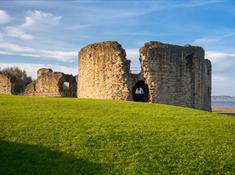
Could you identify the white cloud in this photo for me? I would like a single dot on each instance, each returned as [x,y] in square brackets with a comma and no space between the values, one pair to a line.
[4,17]
[78,27]
[205,40]
[39,20]
[34,21]
[219,55]
[168,5]
[31,69]
[221,59]
[218,77]
[17,33]
[223,84]
[132,53]
[223,72]
[212,40]
[190,4]
[13,49]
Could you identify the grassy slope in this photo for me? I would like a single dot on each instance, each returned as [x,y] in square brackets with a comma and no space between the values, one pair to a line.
[74,136]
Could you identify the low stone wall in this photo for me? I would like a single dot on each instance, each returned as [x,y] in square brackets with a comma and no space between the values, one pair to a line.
[51,83]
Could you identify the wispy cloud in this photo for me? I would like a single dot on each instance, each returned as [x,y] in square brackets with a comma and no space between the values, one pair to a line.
[34,21]
[218,57]
[132,54]
[168,5]
[4,17]
[213,39]
[77,27]
[39,20]
[14,49]
[16,33]
[147,34]
[190,4]
[223,72]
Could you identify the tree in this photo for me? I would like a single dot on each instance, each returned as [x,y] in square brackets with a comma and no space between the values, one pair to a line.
[18,77]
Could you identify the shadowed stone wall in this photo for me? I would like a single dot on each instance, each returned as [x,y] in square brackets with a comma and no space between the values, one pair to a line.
[177,75]
[5,85]
[173,74]
[51,83]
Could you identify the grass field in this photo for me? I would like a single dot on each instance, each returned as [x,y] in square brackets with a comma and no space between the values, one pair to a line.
[77,136]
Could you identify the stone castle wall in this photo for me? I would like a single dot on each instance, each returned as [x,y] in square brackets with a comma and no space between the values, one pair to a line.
[103,72]
[49,83]
[173,74]
[176,75]
[5,85]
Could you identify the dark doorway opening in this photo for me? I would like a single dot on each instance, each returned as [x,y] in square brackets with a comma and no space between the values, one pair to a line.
[140,92]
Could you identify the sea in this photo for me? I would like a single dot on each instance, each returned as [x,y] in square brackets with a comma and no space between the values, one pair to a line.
[223,103]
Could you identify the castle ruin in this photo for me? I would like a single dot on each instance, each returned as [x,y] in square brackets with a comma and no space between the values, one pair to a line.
[49,83]
[169,74]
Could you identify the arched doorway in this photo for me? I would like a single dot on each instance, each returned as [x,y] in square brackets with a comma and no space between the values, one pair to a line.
[140,91]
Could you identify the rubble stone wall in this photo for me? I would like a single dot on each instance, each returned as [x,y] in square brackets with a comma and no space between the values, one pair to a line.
[5,85]
[177,75]
[103,72]
[49,83]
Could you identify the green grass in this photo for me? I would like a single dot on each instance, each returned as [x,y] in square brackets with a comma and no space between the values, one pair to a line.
[78,136]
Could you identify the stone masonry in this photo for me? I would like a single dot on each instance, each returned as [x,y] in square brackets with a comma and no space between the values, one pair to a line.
[177,75]
[5,85]
[170,74]
[49,83]
[103,72]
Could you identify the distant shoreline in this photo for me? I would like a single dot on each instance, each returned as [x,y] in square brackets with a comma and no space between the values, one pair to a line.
[222,99]
[228,110]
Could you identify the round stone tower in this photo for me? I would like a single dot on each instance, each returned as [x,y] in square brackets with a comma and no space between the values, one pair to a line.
[103,72]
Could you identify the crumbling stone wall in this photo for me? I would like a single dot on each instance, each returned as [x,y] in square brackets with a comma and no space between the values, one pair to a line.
[103,72]
[173,74]
[49,83]
[177,75]
[5,85]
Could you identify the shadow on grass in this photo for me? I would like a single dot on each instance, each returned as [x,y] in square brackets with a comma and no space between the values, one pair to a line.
[16,158]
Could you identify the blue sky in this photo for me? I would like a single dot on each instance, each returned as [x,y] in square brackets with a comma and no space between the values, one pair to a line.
[40,33]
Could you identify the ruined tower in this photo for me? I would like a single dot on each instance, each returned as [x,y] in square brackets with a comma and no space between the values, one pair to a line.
[177,75]
[103,72]
[170,74]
